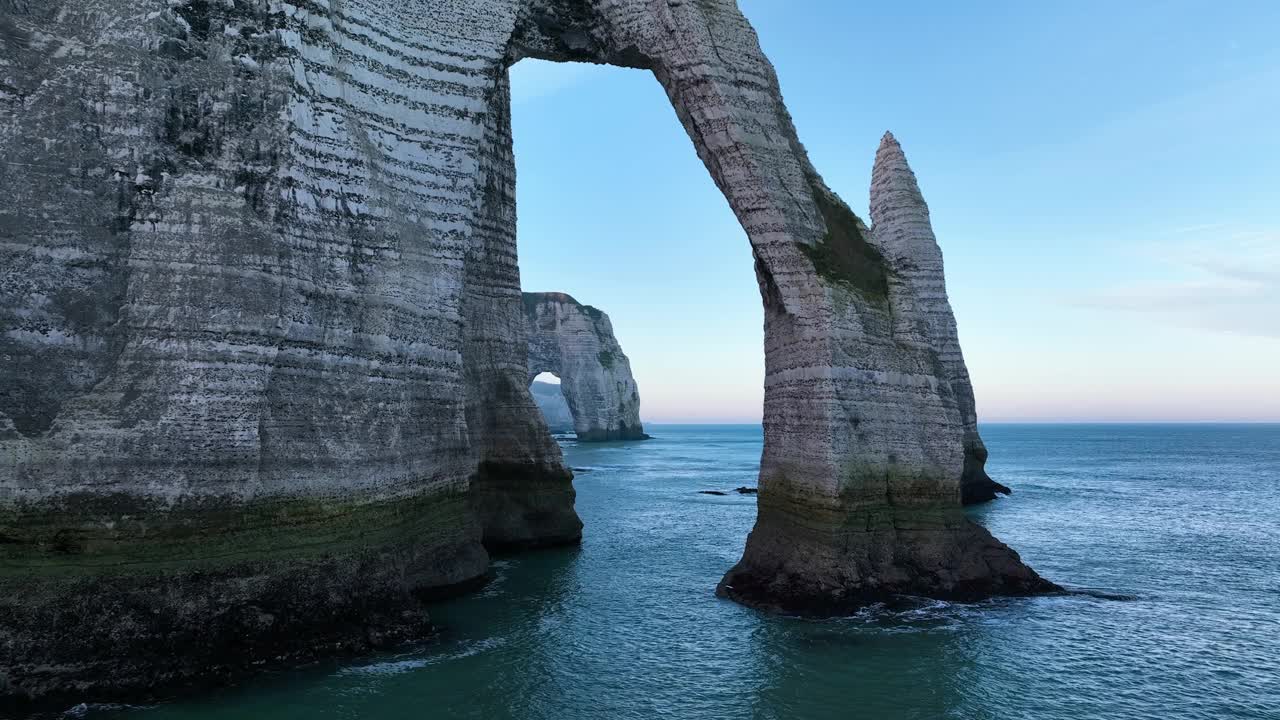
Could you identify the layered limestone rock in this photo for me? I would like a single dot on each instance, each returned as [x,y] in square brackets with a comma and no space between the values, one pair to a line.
[263,377]
[904,233]
[262,362]
[576,343]
[887,519]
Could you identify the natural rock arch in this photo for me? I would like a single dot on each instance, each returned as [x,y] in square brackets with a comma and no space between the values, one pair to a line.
[551,403]
[264,375]
[577,344]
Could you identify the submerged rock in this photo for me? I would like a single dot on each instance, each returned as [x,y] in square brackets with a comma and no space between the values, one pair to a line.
[576,343]
[712,492]
[746,491]
[265,376]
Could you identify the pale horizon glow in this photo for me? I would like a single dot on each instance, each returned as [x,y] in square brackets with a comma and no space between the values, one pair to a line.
[1105,195]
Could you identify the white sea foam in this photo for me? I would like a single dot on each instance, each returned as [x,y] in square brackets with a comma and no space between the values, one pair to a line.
[88,709]
[417,661]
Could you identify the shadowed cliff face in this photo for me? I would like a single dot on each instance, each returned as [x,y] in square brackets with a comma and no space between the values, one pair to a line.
[264,350]
[576,342]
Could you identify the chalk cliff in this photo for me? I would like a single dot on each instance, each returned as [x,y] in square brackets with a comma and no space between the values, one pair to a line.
[263,379]
[903,232]
[906,452]
[576,343]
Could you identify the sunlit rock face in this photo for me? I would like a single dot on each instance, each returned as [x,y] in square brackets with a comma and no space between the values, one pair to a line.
[577,344]
[907,452]
[904,233]
[263,378]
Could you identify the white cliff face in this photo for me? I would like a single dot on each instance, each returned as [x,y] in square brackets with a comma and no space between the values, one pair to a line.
[576,342]
[901,435]
[263,367]
[922,316]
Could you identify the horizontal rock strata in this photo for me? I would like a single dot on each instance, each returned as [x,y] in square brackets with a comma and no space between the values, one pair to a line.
[263,363]
[576,343]
[264,376]
[904,233]
[885,520]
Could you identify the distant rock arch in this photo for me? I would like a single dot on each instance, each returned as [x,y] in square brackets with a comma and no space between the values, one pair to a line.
[577,344]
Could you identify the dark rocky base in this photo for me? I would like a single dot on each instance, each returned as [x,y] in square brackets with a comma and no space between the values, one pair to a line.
[807,569]
[623,435]
[976,486]
[123,602]
[768,595]
[525,506]
[135,610]
[135,639]
[982,490]
[52,696]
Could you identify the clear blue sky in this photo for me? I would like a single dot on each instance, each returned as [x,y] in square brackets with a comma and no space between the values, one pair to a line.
[1104,179]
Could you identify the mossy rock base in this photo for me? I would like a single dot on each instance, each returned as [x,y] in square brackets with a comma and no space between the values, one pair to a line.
[96,606]
[875,555]
[124,638]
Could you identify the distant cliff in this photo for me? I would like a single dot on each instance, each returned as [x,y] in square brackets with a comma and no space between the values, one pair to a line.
[576,343]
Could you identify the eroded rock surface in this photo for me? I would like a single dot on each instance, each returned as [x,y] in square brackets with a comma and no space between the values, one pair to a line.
[263,376]
[261,339]
[903,231]
[886,521]
[576,343]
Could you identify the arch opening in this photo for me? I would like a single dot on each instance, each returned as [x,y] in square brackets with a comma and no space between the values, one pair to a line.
[549,397]
[667,260]
[867,428]
[337,337]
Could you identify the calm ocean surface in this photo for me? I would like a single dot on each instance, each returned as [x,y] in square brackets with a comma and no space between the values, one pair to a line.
[1174,531]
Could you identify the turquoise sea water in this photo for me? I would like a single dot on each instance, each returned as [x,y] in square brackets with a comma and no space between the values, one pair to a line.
[1170,530]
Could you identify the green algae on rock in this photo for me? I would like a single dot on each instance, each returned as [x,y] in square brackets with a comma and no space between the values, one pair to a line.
[265,373]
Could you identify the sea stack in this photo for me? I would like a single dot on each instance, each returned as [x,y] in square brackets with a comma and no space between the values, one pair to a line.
[884,518]
[575,342]
[904,234]
[264,377]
